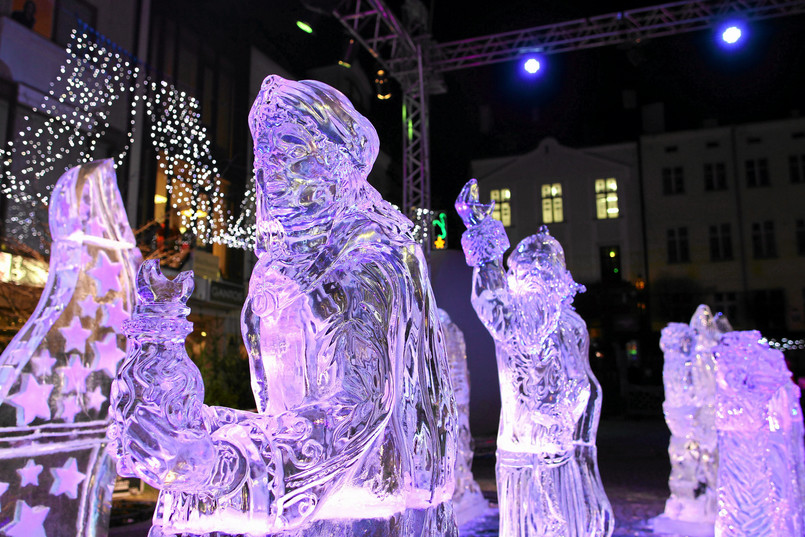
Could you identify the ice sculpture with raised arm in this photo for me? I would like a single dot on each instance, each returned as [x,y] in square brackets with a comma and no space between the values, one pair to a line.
[468,502]
[56,477]
[689,377]
[547,470]
[761,470]
[354,432]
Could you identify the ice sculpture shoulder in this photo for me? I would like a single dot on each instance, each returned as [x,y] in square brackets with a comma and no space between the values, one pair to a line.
[355,428]
[547,472]
[55,375]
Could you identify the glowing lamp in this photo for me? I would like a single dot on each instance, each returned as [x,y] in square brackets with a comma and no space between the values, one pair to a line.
[531,66]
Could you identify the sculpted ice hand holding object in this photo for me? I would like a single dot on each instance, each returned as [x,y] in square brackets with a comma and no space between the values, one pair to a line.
[547,472]
[354,432]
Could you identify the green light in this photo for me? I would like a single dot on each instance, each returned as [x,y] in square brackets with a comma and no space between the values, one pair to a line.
[305,27]
[616,271]
[442,225]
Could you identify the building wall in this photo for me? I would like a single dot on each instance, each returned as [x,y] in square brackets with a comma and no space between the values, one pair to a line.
[581,233]
[764,291]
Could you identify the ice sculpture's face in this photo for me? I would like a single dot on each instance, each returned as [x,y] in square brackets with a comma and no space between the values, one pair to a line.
[310,146]
[294,177]
[537,270]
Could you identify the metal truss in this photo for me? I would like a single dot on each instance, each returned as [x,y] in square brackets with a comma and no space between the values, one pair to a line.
[418,62]
[604,30]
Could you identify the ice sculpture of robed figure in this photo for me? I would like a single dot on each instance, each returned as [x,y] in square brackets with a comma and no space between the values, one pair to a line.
[56,477]
[689,378]
[355,428]
[547,470]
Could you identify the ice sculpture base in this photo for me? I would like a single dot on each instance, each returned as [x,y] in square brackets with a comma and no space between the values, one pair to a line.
[471,506]
[437,520]
[665,524]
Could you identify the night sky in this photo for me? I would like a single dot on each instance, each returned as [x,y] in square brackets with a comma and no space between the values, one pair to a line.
[583,98]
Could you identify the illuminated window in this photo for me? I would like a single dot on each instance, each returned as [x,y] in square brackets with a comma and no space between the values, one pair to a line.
[606,198]
[552,209]
[503,210]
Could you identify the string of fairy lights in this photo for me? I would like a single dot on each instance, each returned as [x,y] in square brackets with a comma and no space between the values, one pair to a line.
[65,129]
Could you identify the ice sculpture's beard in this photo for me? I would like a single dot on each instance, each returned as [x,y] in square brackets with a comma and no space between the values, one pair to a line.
[538,311]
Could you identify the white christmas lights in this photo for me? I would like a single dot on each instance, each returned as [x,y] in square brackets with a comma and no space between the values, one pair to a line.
[74,115]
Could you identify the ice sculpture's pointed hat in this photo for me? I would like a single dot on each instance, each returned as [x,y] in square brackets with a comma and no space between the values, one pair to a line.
[86,206]
[320,108]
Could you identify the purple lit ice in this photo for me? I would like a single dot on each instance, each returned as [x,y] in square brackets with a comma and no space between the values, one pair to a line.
[689,378]
[56,477]
[468,502]
[761,472]
[547,469]
[355,429]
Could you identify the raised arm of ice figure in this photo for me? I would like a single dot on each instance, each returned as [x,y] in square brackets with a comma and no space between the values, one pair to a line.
[484,242]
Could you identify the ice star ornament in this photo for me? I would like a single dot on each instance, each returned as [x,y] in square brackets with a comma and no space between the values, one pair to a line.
[55,374]
[28,521]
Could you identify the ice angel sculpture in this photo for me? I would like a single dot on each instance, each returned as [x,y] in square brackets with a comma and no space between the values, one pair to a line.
[468,502]
[56,477]
[354,432]
[689,377]
[547,469]
[761,470]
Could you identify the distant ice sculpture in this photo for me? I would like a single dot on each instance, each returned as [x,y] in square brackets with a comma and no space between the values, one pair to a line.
[689,377]
[547,469]
[56,477]
[355,426]
[468,501]
[761,471]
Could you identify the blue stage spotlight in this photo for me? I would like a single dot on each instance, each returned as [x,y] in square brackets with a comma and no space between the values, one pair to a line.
[732,34]
[532,65]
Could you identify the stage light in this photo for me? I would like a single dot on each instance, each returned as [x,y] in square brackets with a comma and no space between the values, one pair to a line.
[305,27]
[382,85]
[731,35]
[531,66]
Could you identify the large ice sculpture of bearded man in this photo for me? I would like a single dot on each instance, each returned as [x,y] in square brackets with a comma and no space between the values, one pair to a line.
[547,471]
[355,426]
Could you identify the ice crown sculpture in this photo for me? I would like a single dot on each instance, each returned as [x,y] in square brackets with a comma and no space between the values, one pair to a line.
[355,427]
[55,375]
[547,470]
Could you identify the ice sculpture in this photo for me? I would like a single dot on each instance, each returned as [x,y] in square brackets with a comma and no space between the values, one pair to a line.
[689,377]
[56,477]
[354,432]
[547,469]
[761,470]
[468,502]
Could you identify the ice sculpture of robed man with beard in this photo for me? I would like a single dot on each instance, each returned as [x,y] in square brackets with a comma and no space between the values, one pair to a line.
[547,470]
[355,429]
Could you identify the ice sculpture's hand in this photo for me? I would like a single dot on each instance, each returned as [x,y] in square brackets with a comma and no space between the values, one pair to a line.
[469,206]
